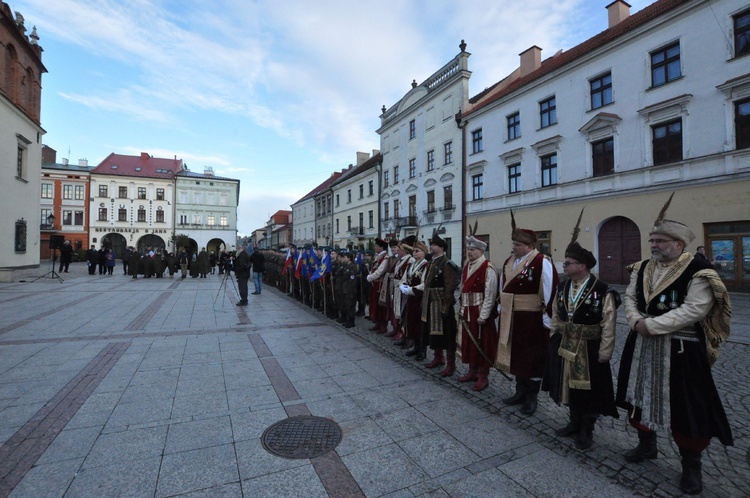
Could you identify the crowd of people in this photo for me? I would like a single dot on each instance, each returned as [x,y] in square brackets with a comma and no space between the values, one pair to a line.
[550,335]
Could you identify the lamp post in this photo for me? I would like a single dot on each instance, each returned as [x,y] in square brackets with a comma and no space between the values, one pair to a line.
[51,273]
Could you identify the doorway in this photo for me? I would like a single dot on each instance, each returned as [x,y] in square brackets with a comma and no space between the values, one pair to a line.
[619,246]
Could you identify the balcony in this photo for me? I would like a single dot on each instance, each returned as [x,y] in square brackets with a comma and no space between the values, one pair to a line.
[356,231]
[407,222]
[46,227]
[448,211]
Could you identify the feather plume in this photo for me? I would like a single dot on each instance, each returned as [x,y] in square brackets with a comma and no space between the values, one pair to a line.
[663,212]
[577,229]
[476,225]
[512,221]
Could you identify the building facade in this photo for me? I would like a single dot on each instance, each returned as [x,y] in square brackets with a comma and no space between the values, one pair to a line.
[65,196]
[277,230]
[312,215]
[205,209]
[657,103]
[420,139]
[21,134]
[356,203]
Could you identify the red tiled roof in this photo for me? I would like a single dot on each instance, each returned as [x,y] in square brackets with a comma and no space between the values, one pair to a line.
[143,165]
[321,187]
[641,17]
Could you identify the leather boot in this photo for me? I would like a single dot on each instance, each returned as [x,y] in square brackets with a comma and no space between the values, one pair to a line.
[393,333]
[691,481]
[437,360]
[574,425]
[450,367]
[414,349]
[646,449]
[342,318]
[471,375]
[399,338]
[483,373]
[349,322]
[585,435]
[421,353]
[520,394]
[408,343]
[374,328]
[530,403]
[382,328]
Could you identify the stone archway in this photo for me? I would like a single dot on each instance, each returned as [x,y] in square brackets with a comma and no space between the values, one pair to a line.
[216,245]
[116,242]
[619,246]
[150,240]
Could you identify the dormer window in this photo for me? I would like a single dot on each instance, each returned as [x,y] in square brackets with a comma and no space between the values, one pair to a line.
[114,166]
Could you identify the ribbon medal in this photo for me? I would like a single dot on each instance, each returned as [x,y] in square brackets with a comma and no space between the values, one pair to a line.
[674,304]
[661,304]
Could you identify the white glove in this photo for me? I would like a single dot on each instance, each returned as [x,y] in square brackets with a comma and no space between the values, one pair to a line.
[405,289]
[498,308]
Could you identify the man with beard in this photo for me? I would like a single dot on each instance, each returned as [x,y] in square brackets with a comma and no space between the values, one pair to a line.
[378,313]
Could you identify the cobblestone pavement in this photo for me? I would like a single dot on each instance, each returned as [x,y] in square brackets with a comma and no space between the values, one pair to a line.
[162,387]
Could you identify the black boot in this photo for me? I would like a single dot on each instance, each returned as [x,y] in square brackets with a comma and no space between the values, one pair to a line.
[530,403]
[349,323]
[421,353]
[691,481]
[342,318]
[646,449]
[573,427]
[520,395]
[586,434]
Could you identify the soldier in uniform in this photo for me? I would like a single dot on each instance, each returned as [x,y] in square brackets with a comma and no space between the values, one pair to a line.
[404,259]
[679,313]
[304,282]
[438,314]
[348,276]
[527,282]
[378,313]
[477,315]
[412,318]
[583,326]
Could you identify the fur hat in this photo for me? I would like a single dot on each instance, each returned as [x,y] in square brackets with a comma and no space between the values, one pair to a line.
[421,246]
[407,243]
[574,249]
[522,235]
[671,228]
[472,241]
[393,242]
[436,240]
[381,243]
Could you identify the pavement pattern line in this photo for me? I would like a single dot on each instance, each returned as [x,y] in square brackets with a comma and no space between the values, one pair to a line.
[142,320]
[332,472]
[43,314]
[19,454]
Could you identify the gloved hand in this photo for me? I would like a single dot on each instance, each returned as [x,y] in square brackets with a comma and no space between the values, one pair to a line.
[406,290]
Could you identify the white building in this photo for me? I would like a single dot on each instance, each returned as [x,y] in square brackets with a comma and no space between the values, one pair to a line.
[21,134]
[658,102]
[421,181]
[132,202]
[206,209]
[307,217]
[356,202]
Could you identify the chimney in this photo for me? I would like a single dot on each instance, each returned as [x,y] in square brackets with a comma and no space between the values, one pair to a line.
[362,157]
[531,60]
[49,155]
[618,11]
[208,171]
[144,156]
[375,152]
[65,161]
[84,163]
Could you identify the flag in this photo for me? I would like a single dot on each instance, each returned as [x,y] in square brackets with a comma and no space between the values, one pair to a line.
[298,266]
[311,263]
[287,261]
[358,262]
[323,268]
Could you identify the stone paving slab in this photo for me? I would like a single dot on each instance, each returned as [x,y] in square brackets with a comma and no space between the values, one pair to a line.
[182,410]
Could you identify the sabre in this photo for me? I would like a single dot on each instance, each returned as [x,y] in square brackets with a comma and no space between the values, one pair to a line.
[471,336]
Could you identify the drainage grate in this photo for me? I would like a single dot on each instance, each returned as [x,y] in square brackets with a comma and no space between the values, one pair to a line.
[301,437]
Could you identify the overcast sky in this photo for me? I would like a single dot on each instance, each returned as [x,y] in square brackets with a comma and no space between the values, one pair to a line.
[276,93]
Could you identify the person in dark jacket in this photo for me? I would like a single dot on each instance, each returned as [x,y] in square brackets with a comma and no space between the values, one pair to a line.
[258,261]
[93,259]
[66,256]
[202,263]
[242,272]
[126,259]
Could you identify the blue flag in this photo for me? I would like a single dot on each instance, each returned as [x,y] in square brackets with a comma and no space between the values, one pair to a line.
[358,261]
[303,266]
[312,263]
[323,268]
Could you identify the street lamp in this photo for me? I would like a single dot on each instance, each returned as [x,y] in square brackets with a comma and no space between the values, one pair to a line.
[51,220]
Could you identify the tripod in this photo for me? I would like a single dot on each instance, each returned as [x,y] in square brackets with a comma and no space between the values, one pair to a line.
[223,285]
[52,273]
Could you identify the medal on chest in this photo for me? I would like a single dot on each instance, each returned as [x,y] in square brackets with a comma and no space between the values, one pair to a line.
[662,302]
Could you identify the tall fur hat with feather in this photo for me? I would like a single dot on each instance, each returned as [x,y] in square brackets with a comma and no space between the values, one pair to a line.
[522,235]
[671,228]
[574,249]
[472,241]
[436,240]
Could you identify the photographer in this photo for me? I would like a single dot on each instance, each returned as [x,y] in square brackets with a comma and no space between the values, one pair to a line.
[242,272]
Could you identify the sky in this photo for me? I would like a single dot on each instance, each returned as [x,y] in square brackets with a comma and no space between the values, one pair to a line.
[277,94]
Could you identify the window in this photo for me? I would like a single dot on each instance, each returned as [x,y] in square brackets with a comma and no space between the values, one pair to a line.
[448,197]
[337,225]
[601,91]
[386,182]
[67,218]
[46,191]
[395,208]
[413,206]
[549,170]
[370,188]
[210,219]
[159,194]
[337,200]
[160,216]
[122,192]
[68,192]
[141,215]
[548,112]
[348,223]
[665,65]
[477,187]
[197,219]
[448,152]
[349,195]
[223,199]
[361,222]
[122,214]
[370,218]
[197,197]
[78,218]
[395,175]
[412,168]
[514,178]
[386,215]
[21,160]
[742,34]
[603,157]
[79,193]
[45,215]
[361,191]
[102,191]
[667,142]
[102,214]
[742,123]
[183,219]
[430,160]
[19,243]
[476,141]
[223,220]
[431,201]
[514,126]
[141,192]
[412,129]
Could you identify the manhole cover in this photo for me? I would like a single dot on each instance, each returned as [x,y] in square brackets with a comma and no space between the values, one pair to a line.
[301,437]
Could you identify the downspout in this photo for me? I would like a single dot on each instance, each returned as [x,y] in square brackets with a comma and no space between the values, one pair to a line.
[462,127]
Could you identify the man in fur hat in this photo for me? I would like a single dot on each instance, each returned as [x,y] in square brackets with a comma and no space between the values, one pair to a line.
[527,282]
[403,252]
[678,310]
[476,314]
[438,314]
[378,313]
[583,325]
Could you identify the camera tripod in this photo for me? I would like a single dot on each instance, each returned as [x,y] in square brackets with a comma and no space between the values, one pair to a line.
[223,285]
[52,273]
